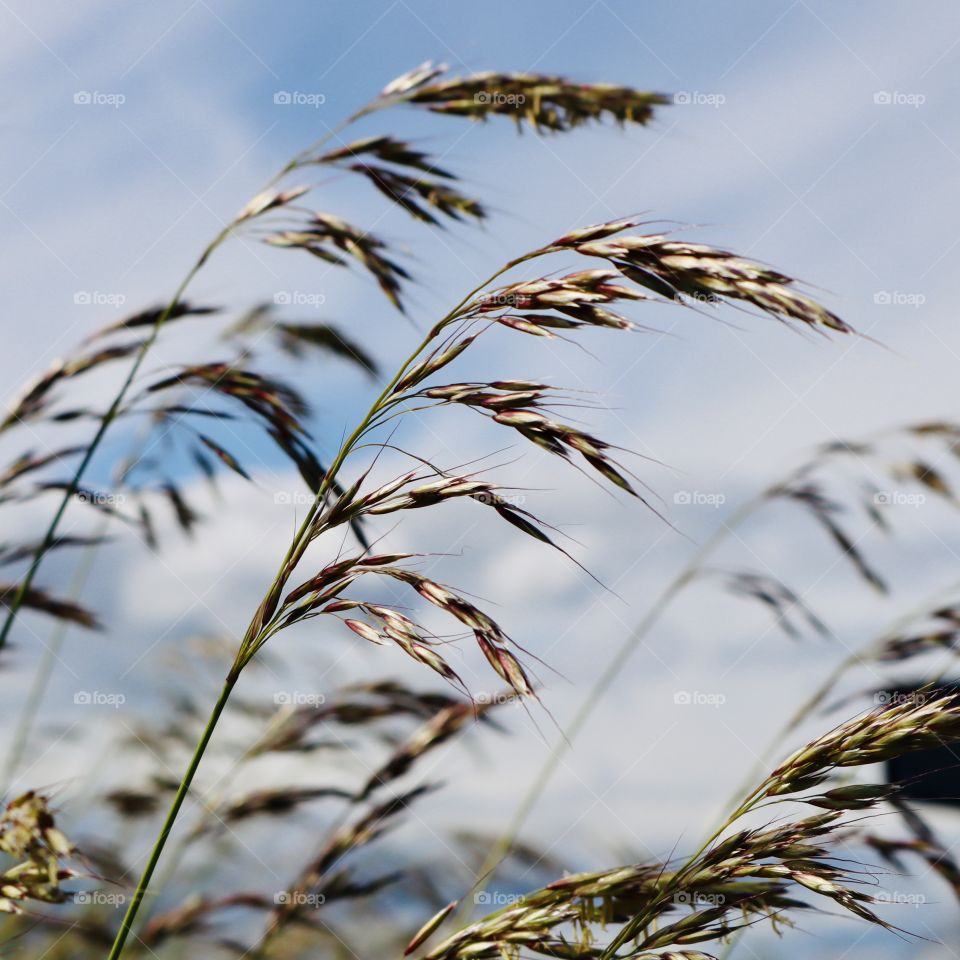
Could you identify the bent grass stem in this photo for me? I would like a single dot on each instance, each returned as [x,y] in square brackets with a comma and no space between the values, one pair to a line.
[257,630]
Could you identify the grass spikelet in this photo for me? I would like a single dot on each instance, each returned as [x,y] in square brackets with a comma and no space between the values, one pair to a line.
[412,193]
[549,104]
[676,269]
[30,838]
[325,233]
[734,877]
[40,600]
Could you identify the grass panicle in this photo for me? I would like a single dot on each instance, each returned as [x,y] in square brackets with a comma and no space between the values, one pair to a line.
[338,775]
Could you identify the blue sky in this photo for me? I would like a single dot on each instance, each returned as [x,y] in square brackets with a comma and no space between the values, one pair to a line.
[819,137]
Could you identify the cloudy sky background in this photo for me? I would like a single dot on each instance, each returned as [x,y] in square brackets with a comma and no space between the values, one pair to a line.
[821,140]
